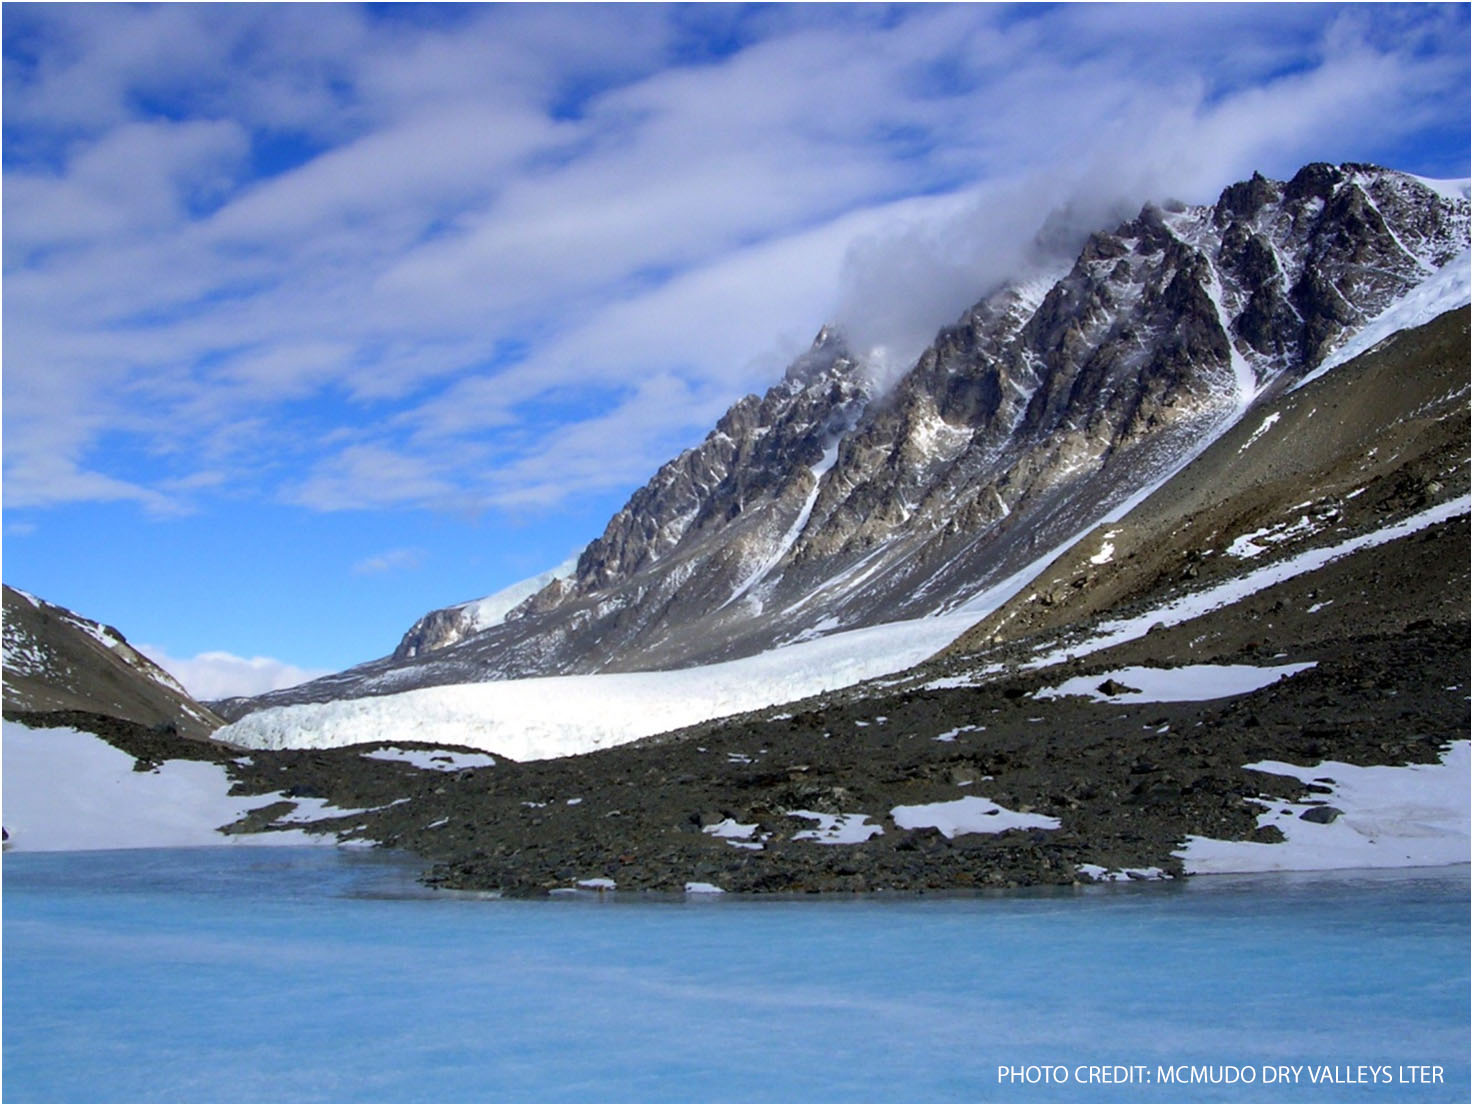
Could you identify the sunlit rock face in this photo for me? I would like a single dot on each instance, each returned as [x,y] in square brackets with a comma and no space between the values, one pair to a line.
[829,504]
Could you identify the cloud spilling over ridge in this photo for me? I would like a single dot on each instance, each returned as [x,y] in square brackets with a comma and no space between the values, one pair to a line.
[1134,143]
[493,258]
[914,275]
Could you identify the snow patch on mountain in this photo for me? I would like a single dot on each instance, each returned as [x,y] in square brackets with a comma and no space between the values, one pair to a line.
[1449,288]
[491,610]
[1448,189]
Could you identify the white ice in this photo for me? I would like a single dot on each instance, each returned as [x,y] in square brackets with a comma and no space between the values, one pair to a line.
[696,887]
[437,760]
[1188,683]
[551,716]
[970,814]
[69,790]
[836,829]
[1393,817]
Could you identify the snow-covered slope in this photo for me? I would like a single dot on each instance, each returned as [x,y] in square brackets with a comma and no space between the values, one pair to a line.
[442,628]
[69,790]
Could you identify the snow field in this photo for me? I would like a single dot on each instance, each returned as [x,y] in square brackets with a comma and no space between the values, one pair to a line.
[1391,817]
[69,790]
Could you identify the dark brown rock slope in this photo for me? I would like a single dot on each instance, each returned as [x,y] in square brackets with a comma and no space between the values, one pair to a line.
[58,661]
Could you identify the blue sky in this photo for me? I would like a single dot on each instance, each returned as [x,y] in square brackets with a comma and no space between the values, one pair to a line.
[317,317]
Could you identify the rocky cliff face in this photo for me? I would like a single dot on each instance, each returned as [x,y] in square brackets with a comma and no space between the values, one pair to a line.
[823,506]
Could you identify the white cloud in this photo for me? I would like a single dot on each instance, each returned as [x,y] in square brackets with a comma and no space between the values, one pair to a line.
[391,560]
[370,476]
[220,675]
[380,254]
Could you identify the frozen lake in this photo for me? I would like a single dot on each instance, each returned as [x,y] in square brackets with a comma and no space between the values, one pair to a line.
[328,975]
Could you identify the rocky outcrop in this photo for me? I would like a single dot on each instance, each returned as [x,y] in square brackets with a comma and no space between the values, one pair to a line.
[443,628]
[762,461]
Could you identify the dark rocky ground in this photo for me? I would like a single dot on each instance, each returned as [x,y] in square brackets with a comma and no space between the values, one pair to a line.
[1127,783]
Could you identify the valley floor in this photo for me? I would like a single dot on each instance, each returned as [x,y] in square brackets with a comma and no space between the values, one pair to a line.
[970,771]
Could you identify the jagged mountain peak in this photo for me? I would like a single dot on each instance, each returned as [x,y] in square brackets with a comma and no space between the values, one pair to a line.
[828,353]
[827,503]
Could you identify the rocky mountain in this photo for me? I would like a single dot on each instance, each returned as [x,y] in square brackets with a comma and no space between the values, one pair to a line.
[1221,679]
[1050,406]
[448,625]
[58,663]
[1227,484]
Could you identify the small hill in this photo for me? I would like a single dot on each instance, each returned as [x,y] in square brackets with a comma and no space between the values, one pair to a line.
[58,663]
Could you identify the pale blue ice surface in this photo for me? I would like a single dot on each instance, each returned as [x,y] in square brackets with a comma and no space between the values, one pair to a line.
[318,974]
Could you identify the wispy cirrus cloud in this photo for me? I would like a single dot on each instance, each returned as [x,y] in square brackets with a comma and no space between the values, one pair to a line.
[390,560]
[484,258]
